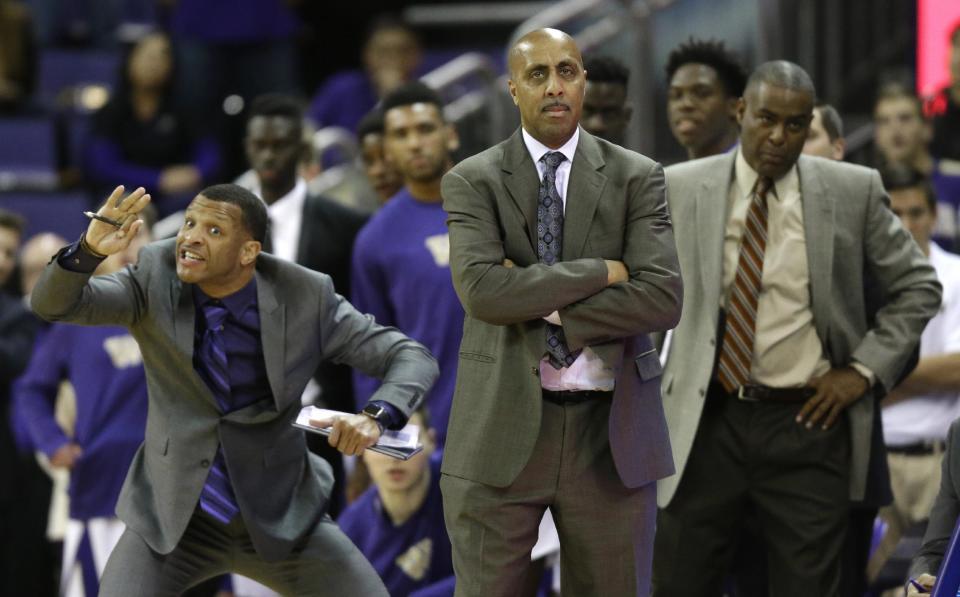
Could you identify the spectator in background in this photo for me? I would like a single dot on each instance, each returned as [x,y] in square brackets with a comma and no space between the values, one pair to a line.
[944,108]
[606,110]
[25,564]
[306,229]
[705,82]
[17,56]
[35,255]
[826,133]
[401,261]
[398,523]
[105,371]
[381,173]
[391,55]
[917,412]
[901,136]
[141,139]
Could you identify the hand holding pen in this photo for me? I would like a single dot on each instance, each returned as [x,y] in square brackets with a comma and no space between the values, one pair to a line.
[116,223]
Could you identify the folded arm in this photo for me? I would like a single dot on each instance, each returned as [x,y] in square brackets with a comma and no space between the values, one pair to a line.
[651,299]
[493,292]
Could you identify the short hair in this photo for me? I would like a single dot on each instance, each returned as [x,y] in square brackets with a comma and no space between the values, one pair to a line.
[370,124]
[714,54]
[388,22]
[606,69]
[896,91]
[832,123]
[897,177]
[277,104]
[254,210]
[784,74]
[12,221]
[414,92]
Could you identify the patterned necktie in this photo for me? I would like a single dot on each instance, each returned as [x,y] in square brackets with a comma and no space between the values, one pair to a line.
[549,246]
[217,498]
[736,351]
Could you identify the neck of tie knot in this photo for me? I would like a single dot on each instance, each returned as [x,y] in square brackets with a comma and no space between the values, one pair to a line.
[552,160]
[215,314]
[764,184]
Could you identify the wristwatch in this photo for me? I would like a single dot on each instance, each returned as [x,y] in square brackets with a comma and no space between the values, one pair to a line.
[376,412]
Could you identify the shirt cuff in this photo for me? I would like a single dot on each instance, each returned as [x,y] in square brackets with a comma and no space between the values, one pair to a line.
[554,318]
[393,419]
[77,259]
[864,371]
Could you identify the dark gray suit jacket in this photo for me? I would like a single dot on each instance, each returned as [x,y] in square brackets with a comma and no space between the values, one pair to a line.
[281,489]
[615,209]
[945,511]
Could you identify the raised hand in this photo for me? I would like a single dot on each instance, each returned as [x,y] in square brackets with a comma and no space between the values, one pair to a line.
[107,239]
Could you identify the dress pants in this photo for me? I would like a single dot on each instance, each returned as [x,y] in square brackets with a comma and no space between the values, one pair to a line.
[326,563]
[753,456]
[606,530]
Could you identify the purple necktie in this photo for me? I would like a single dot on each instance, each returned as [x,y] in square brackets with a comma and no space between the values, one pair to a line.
[217,497]
[549,247]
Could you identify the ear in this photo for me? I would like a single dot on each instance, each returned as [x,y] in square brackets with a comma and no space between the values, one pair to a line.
[627,111]
[513,92]
[741,110]
[453,138]
[839,148]
[249,252]
[733,108]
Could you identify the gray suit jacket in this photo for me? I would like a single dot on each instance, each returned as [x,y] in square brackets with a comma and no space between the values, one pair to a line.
[849,231]
[282,490]
[615,209]
[945,511]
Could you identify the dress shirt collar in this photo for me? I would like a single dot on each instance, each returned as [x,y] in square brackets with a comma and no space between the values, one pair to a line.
[236,303]
[746,179]
[538,149]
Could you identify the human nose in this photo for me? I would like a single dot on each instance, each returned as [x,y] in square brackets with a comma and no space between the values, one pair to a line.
[554,85]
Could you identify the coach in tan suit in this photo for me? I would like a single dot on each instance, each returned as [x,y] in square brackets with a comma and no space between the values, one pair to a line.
[563,256]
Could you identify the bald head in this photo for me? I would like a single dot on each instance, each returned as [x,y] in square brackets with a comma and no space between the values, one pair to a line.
[546,83]
[537,39]
[34,256]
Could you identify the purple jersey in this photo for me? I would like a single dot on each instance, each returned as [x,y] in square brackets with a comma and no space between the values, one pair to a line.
[401,276]
[408,557]
[105,369]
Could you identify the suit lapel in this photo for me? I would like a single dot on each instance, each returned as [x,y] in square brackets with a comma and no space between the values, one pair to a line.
[522,182]
[711,209]
[584,189]
[184,315]
[818,230]
[272,335]
[306,232]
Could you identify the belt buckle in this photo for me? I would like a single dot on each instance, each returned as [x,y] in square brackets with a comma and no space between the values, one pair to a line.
[743,397]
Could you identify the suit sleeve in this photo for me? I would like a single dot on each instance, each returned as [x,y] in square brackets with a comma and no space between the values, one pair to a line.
[77,297]
[36,391]
[943,515]
[406,368]
[651,300]
[496,294]
[369,294]
[909,281]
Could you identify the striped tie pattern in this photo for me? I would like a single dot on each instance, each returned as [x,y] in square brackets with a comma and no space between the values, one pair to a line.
[736,351]
[217,498]
[549,246]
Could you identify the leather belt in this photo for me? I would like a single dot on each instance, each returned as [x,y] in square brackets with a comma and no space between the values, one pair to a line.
[758,393]
[919,449]
[575,397]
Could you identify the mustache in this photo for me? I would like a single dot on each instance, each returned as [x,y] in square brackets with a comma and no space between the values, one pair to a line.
[554,104]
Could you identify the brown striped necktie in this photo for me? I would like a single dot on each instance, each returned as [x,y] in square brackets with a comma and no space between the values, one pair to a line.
[736,352]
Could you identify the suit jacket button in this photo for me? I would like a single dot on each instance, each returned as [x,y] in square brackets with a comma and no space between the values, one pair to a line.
[535,371]
[205,463]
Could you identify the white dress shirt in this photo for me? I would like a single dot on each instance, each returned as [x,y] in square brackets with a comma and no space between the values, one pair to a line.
[927,417]
[286,218]
[588,372]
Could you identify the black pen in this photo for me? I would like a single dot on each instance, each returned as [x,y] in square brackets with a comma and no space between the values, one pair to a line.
[104,219]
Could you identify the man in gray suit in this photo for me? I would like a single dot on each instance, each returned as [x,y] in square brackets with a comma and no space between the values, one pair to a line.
[229,338]
[562,253]
[768,381]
